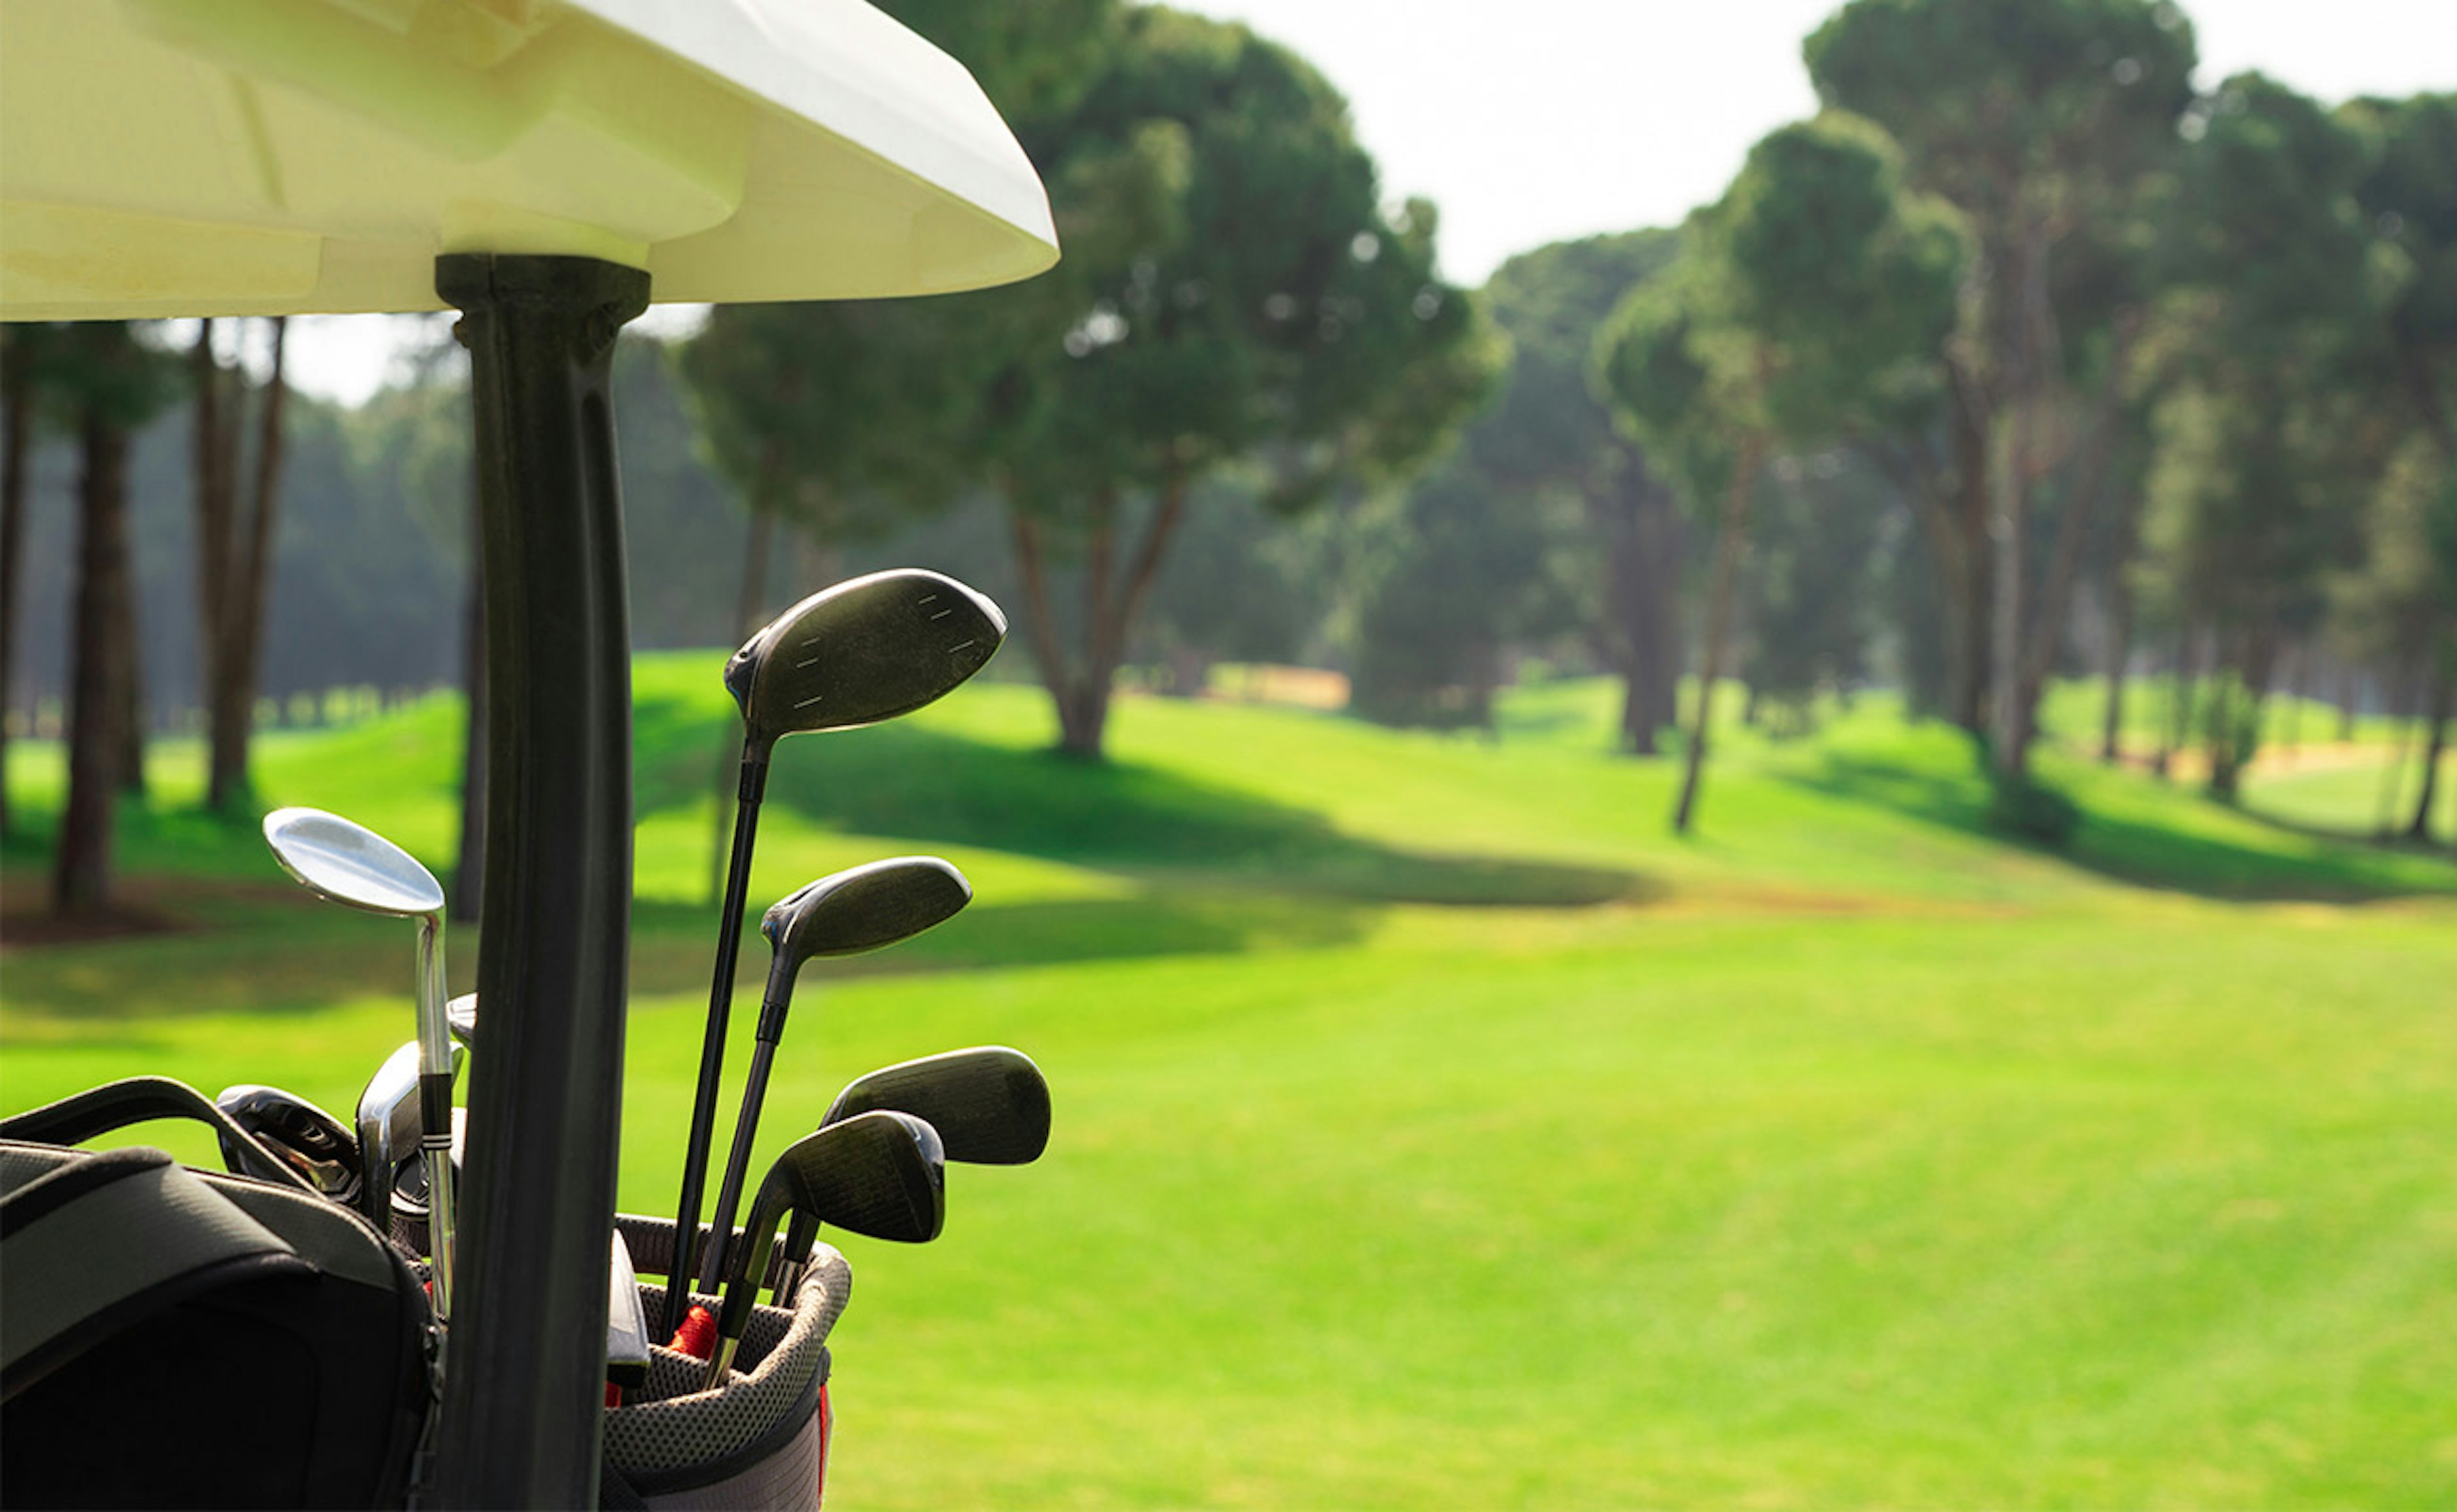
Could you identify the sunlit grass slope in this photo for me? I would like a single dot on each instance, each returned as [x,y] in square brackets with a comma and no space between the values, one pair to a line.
[1432,1129]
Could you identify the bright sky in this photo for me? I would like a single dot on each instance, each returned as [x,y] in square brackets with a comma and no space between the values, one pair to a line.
[1542,119]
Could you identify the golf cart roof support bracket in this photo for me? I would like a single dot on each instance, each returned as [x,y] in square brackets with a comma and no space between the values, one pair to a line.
[525,1385]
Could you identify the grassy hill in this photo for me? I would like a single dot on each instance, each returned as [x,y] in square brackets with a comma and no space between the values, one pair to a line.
[1434,1128]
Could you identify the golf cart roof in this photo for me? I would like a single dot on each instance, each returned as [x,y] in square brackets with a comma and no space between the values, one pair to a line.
[166,158]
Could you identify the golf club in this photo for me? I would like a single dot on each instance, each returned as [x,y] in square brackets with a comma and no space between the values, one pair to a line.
[866,650]
[858,910]
[302,1135]
[351,864]
[627,1325]
[990,1106]
[410,1198]
[392,1128]
[881,1174]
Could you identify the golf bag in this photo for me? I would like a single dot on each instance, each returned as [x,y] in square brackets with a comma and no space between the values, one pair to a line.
[761,1441]
[172,1337]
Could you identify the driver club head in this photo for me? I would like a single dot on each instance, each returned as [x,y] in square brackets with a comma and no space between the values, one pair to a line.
[989,1104]
[866,650]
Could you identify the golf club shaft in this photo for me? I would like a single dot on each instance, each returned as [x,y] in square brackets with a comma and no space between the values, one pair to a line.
[743,1291]
[435,1106]
[800,1235]
[751,786]
[737,1162]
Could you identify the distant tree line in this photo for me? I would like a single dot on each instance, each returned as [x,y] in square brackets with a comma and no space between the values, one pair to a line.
[163,558]
[2022,357]
[2089,372]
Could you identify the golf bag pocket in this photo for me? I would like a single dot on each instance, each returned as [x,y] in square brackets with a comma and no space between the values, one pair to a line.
[760,1440]
[172,1337]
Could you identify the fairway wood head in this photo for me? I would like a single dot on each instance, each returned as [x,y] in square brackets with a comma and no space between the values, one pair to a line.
[990,1104]
[866,650]
[351,864]
[863,908]
[310,1141]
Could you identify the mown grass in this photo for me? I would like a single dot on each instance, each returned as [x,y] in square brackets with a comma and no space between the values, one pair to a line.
[1434,1128]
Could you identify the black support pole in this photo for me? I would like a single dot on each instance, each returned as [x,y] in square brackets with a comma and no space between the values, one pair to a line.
[525,1367]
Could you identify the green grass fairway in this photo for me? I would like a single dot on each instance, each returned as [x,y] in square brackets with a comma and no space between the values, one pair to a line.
[1433,1129]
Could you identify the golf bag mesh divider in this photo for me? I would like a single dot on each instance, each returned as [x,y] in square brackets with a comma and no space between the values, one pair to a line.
[760,1440]
[179,1338]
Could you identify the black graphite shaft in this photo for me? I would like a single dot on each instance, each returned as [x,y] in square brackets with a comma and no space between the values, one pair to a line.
[751,788]
[737,1161]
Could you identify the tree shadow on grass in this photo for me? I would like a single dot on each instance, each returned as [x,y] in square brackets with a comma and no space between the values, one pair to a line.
[259,953]
[671,945]
[912,781]
[2143,853]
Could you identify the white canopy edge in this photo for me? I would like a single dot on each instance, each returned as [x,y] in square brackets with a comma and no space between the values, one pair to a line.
[164,157]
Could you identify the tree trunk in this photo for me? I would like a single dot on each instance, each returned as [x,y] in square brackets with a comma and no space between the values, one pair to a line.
[1190,669]
[130,772]
[16,413]
[1626,626]
[233,666]
[81,878]
[1667,554]
[2444,701]
[2120,653]
[1966,592]
[469,864]
[1730,542]
[2008,524]
[2393,775]
[1640,566]
[2235,738]
[2290,721]
[1079,686]
[2178,727]
[2044,637]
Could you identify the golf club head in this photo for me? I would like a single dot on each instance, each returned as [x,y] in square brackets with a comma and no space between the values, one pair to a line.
[866,650]
[389,1123]
[864,908]
[989,1105]
[351,864]
[460,1017]
[304,1137]
[883,1174]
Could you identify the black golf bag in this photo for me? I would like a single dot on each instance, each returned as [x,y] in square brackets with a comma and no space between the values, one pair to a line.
[172,1337]
[177,1338]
